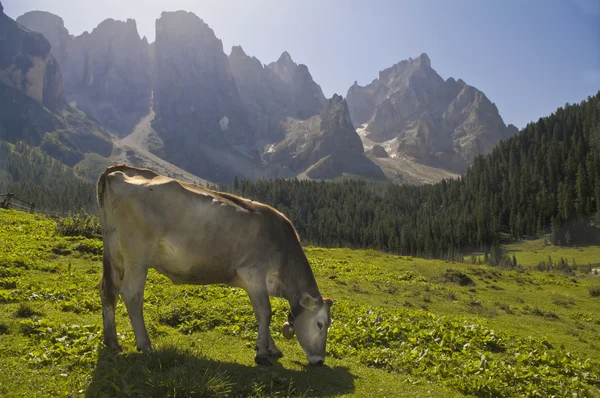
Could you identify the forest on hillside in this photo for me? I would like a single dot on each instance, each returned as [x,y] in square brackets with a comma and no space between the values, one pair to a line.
[543,181]
[38,178]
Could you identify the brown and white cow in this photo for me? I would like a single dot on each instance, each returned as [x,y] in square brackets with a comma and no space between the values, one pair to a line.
[194,235]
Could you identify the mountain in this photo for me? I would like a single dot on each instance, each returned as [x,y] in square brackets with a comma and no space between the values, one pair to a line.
[220,116]
[266,97]
[274,92]
[411,111]
[107,72]
[325,146]
[33,108]
[200,115]
[307,96]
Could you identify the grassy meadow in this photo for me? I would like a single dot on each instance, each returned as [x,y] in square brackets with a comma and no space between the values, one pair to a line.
[403,327]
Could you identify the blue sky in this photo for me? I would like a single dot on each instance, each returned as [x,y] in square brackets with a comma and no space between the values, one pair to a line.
[527,56]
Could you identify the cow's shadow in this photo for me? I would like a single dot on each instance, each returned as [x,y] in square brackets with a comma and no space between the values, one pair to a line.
[171,372]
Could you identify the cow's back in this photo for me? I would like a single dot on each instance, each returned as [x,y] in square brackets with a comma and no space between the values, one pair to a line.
[190,233]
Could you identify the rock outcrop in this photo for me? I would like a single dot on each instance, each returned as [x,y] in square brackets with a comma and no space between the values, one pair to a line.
[442,123]
[107,72]
[53,28]
[267,99]
[322,147]
[27,65]
[378,151]
[307,97]
[32,104]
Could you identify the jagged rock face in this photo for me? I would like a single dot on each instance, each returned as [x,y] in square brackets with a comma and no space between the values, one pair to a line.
[27,65]
[307,97]
[324,146]
[444,123]
[107,72]
[53,29]
[32,105]
[266,97]
[200,115]
[196,97]
[273,93]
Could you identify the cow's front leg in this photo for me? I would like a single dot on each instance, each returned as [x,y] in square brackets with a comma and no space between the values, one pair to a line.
[262,310]
[274,352]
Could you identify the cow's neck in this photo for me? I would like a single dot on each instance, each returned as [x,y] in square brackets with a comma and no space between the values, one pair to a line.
[299,279]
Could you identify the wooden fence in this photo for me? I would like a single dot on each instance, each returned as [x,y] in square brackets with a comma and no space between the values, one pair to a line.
[10,201]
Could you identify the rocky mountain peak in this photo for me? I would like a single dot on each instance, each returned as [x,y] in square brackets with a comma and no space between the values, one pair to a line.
[1,8]
[195,92]
[106,72]
[422,60]
[441,123]
[27,65]
[237,51]
[285,58]
[323,146]
[47,19]
[126,30]
[53,28]
[184,25]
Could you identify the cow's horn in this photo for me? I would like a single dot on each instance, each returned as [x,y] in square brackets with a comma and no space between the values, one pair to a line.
[288,330]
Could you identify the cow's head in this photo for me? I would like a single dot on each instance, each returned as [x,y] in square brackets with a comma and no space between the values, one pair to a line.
[310,321]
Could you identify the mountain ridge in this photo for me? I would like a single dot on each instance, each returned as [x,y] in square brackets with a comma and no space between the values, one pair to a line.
[219,115]
[418,114]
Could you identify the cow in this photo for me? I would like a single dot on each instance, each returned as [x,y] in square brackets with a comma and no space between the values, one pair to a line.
[195,235]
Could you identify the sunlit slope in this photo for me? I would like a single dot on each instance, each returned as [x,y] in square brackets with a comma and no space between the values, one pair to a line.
[402,327]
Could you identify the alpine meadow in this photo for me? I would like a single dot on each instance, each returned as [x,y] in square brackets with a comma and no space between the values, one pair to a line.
[181,221]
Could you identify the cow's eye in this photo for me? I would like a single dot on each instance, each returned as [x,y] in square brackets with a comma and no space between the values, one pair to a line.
[320,325]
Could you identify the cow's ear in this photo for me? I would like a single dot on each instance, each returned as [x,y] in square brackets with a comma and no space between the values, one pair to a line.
[327,301]
[287,330]
[307,301]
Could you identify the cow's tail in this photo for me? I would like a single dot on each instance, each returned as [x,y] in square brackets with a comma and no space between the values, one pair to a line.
[108,290]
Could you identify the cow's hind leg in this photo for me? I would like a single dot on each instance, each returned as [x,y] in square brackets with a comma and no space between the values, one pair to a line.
[108,296]
[132,292]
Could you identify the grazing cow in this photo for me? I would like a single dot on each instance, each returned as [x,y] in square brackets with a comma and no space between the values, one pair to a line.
[198,236]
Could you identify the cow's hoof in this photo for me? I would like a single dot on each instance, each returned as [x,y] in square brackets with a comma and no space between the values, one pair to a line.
[275,354]
[145,349]
[262,361]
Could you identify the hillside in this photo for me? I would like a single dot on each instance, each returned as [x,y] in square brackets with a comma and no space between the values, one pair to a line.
[542,181]
[36,177]
[403,327]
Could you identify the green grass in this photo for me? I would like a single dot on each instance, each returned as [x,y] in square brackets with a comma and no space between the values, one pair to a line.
[531,252]
[403,327]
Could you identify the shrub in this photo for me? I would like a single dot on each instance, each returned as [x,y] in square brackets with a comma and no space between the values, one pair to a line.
[455,276]
[89,246]
[26,310]
[8,283]
[79,225]
[595,291]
